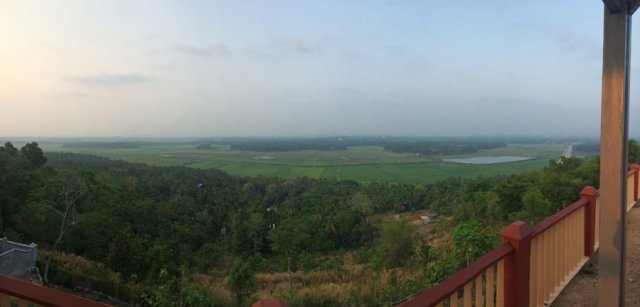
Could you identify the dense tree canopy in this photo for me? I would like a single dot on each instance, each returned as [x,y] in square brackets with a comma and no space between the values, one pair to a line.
[33,153]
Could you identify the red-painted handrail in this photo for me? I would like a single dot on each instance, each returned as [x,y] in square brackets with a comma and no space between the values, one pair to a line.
[558,216]
[42,295]
[588,198]
[442,291]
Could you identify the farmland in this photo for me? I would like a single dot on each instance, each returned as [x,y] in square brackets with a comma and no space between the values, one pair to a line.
[360,163]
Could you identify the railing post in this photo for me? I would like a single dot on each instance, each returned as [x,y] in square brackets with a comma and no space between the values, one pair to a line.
[517,265]
[591,194]
[636,169]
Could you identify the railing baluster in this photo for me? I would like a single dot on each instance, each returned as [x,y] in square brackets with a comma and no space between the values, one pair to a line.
[565,243]
[500,284]
[597,232]
[579,220]
[5,300]
[636,172]
[466,302]
[631,191]
[547,259]
[490,286]
[479,291]
[553,254]
[453,300]
[574,243]
[541,272]
[534,269]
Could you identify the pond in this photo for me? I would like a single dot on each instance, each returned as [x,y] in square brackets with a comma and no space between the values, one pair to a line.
[487,160]
[264,158]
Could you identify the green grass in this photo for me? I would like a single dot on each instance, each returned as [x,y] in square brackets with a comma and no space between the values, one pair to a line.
[363,163]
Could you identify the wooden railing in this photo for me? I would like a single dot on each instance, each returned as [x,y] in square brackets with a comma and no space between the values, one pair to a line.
[533,264]
[15,292]
[558,251]
[482,282]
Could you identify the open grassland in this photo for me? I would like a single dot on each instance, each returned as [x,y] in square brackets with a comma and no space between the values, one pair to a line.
[362,163]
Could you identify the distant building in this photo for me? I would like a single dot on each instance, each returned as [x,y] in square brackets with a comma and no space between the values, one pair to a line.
[429,218]
[17,259]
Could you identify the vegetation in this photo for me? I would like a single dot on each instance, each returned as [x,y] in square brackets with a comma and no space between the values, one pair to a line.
[442,148]
[364,164]
[427,146]
[168,236]
[241,280]
[587,147]
[592,148]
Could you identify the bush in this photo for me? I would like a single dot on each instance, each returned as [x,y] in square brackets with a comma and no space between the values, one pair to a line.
[307,262]
[241,280]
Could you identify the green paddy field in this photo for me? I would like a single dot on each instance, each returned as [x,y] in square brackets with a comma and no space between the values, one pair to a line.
[360,163]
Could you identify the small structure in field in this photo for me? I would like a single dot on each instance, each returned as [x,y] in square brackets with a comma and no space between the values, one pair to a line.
[17,259]
[427,219]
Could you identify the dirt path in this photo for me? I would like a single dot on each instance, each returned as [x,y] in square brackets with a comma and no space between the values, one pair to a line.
[583,289]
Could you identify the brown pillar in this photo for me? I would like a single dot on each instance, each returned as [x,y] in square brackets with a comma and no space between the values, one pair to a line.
[591,194]
[517,265]
[613,152]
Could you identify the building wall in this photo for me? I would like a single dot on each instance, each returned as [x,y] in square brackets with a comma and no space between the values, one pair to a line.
[15,258]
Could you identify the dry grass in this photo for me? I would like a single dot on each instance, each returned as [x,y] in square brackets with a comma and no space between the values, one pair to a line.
[354,279]
[78,265]
[322,292]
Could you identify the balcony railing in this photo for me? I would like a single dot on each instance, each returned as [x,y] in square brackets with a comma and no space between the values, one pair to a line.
[15,292]
[533,264]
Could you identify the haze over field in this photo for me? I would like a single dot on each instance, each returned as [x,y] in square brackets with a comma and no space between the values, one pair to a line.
[263,68]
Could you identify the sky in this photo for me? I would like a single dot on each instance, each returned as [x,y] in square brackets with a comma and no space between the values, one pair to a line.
[303,68]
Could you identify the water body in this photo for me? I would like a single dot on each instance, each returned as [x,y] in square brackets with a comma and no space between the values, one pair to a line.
[488,160]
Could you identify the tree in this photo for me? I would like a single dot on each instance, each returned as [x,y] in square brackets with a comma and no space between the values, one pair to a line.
[634,151]
[17,178]
[535,207]
[395,246]
[472,240]
[481,205]
[560,189]
[241,280]
[10,149]
[510,192]
[62,196]
[33,153]
[288,240]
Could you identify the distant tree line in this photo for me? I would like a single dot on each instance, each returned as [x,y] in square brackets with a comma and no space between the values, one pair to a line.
[401,145]
[587,147]
[290,146]
[633,149]
[111,145]
[442,148]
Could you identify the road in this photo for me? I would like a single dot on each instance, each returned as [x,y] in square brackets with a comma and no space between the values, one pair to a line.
[568,151]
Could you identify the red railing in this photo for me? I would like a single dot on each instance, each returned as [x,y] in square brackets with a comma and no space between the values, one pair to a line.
[473,273]
[533,264]
[15,292]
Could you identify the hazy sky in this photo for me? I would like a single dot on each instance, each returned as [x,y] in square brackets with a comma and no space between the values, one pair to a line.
[215,68]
